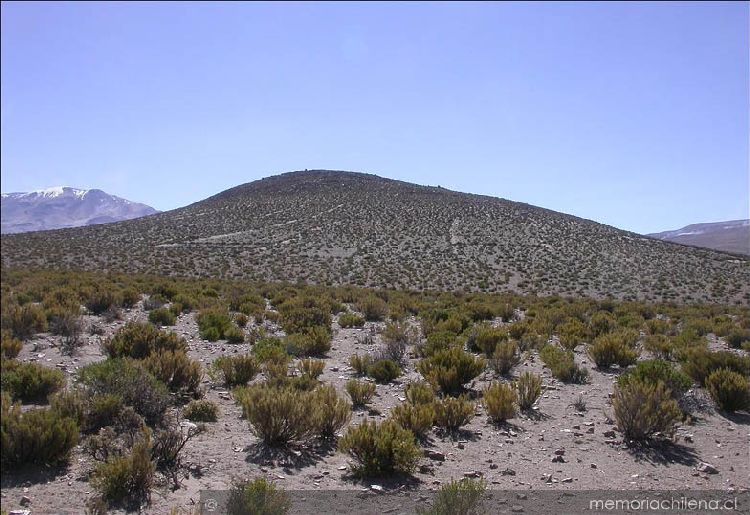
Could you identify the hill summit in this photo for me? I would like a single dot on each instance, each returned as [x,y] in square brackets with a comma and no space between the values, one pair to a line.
[334,227]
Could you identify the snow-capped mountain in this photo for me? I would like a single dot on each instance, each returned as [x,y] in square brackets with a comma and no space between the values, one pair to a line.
[61,206]
[731,236]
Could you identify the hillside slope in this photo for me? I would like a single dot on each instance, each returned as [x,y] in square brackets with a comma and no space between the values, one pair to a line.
[731,236]
[59,207]
[350,228]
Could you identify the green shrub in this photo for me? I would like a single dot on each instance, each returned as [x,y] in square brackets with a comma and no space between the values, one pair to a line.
[311,368]
[234,335]
[71,403]
[126,478]
[656,326]
[103,411]
[299,314]
[213,323]
[175,369]
[10,346]
[660,345]
[380,449]
[642,410]
[463,497]
[453,412]
[657,370]
[602,322]
[361,392]
[699,362]
[347,320]
[270,349]
[129,381]
[417,418]
[201,411]
[130,297]
[505,357]
[373,308]
[25,321]
[485,338]
[500,400]
[419,392]
[562,365]
[162,316]
[37,436]
[235,370]
[30,382]
[435,342]
[360,363]
[450,369]
[529,388]
[330,413]
[737,337]
[103,300]
[314,341]
[138,340]
[730,390]
[572,333]
[241,320]
[384,370]
[609,349]
[257,497]
[277,415]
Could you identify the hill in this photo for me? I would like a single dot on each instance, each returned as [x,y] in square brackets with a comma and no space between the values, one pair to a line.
[334,227]
[731,236]
[60,207]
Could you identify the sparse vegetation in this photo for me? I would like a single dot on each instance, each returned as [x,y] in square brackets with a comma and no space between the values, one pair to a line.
[450,369]
[730,390]
[643,410]
[451,413]
[562,365]
[529,388]
[380,449]
[500,400]
[360,391]
[235,370]
[201,411]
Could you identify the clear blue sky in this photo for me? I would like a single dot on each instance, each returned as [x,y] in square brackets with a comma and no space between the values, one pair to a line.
[634,115]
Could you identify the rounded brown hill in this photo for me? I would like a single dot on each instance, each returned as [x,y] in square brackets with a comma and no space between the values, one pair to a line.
[336,227]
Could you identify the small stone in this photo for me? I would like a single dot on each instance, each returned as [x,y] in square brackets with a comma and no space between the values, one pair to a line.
[558,459]
[473,474]
[493,466]
[434,455]
[522,497]
[707,468]
[342,467]
[25,500]
[567,480]
[508,472]
[376,488]
[609,434]
[593,465]
[516,508]
[560,452]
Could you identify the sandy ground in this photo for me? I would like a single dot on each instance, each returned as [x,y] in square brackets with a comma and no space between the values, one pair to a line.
[515,457]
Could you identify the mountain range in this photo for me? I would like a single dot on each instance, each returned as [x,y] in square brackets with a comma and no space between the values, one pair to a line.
[732,236]
[61,207]
[338,228]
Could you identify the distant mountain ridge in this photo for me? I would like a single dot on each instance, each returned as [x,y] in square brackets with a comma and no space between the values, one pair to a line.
[730,236]
[338,228]
[62,207]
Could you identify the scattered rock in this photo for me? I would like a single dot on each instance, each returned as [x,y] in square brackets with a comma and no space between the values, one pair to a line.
[560,452]
[475,474]
[558,459]
[609,434]
[434,455]
[377,488]
[25,500]
[567,480]
[508,472]
[707,468]
[516,508]
[522,497]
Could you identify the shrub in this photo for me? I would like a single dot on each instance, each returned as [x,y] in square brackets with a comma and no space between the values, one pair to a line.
[128,477]
[270,349]
[10,346]
[485,338]
[37,436]
[138,340]
[572,332]
[361,392]
[130,297]
[24,321]
[360,363]
[314,341]
[657,370]
[103,411]
[450,369]
[257,497]
[562,365]
[730,390]
[347,320]
[241,320]
[602,322]
[154,302]
[419,392]
[277,415]
[609,349]
[175,369]
[235,370]
[417,418]
[330,413]
[129,381]
[373,308]
[453,412]
[30,382]
[660,345]
[311,368]
[505,357]
[234,335]
[380,449]
[737,337]
[462,497]
[529,388]
[500,399]
[71,403]
[100,301]
[201,411]
[700,362]
[642,410]
[384,370]
[302,313]
[436,342]
[162,316]
[213,323]
[396,337]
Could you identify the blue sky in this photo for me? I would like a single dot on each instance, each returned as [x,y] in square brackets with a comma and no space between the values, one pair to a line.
[634,115]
